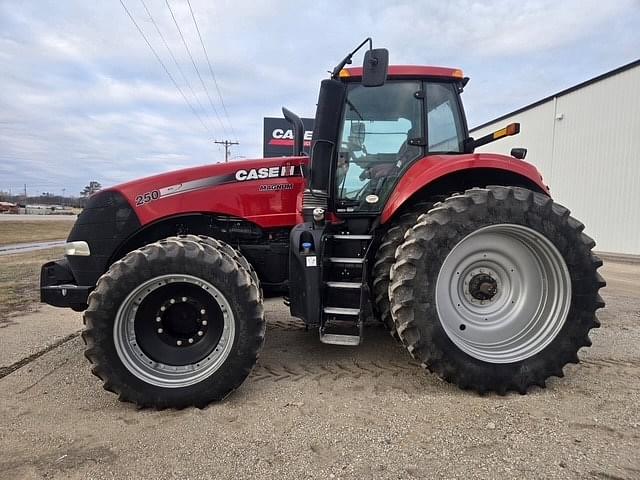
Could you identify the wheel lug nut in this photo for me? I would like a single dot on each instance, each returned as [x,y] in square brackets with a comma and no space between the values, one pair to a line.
[204,322]
[173,300]
[184,299]
[200,333]
[163,308]
[179,342]
[158,319]
[203,311]
[160,330]
[191,340]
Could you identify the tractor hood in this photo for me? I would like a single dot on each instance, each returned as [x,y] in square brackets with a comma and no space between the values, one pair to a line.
[263,191]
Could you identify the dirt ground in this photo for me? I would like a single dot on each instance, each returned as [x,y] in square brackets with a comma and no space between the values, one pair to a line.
[20,281]
[318,411]
[20,272]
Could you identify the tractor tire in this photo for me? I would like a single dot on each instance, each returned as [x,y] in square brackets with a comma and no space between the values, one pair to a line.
[225,248]
[174,324]
[496,289]
[386,257]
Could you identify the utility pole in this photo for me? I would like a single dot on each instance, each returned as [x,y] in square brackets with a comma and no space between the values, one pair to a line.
[227,145]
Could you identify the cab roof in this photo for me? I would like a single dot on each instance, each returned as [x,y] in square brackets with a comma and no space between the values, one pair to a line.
[407,71]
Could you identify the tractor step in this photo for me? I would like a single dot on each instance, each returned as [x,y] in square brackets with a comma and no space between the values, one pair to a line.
[351,237]
[339,339]
[342,311]
[344,331]
[346,291]
[354,260]
[354,285]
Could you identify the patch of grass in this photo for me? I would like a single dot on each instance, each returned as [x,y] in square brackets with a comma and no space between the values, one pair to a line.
[33,231]
[20,280]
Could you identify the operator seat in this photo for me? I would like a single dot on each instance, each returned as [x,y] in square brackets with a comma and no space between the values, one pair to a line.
[406,153]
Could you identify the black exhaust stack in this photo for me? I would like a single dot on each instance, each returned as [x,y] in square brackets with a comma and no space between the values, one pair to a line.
[298,131]
[326,131]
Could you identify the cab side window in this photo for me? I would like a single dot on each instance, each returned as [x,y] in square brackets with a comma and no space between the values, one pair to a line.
[444,125]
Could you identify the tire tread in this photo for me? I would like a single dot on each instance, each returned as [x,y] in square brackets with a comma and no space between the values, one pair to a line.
[428,242]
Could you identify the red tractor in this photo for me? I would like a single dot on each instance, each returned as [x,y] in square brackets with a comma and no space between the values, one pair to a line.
[463,256]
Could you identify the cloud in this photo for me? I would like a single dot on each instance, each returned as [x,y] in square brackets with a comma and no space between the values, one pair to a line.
[83,98]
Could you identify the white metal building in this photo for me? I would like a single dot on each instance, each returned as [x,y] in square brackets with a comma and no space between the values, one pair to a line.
[586,143]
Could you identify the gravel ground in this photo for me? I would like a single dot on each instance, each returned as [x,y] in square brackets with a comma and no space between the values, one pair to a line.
[318,411]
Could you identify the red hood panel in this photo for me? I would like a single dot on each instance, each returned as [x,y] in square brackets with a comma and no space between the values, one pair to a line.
[263,191]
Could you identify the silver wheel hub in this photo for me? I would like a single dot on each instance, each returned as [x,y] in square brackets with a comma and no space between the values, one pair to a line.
[503,293]
[175,325]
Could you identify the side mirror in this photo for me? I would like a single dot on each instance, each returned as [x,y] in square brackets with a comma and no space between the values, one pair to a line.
[375,66]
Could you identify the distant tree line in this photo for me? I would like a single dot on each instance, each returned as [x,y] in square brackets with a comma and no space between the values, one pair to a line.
[45,198]
[48,198]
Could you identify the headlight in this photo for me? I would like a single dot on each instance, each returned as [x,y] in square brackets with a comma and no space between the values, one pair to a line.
[80,249]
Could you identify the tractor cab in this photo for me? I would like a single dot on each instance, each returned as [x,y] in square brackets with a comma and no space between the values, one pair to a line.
[385,129]
[372,124]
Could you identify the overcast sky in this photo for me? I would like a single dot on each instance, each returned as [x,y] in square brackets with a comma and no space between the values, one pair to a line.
[82,96]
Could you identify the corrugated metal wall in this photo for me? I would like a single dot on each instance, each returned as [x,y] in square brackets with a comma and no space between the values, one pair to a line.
[586,144]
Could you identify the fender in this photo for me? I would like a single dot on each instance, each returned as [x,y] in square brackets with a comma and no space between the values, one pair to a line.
[432,168]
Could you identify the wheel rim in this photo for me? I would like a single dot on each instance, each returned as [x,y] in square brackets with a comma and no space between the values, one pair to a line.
[174,330]
[503,293]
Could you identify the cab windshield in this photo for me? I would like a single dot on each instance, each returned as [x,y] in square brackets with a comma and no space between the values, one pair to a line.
[384,132]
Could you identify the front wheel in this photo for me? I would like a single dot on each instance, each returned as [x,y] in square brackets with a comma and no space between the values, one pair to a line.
[176,323]
[496,289]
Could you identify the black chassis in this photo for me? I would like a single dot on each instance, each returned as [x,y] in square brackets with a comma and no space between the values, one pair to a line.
[111,228]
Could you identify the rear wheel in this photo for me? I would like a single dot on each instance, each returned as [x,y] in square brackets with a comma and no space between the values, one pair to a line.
[496,289]
[176,323]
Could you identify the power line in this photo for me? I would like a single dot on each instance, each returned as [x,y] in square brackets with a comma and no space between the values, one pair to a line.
[184,42]
[227,145]
[213,76]
[166,45]
[164,67]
